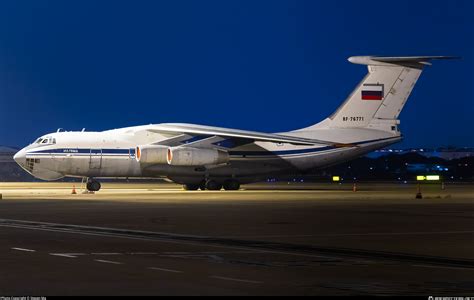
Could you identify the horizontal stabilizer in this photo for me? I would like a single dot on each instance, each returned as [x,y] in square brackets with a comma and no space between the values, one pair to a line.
[408,61]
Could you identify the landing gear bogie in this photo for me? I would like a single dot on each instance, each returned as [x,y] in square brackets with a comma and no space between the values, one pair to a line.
[213,185]
[191,187]
[231,185]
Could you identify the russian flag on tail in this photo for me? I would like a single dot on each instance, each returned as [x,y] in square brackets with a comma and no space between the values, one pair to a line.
[372,91]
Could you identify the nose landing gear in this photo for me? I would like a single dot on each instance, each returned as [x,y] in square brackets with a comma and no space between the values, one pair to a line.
[93,185]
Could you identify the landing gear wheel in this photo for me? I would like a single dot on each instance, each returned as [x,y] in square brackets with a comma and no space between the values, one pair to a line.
[202,186]
[93,186]
[191,187]
[231,185]
[213,185]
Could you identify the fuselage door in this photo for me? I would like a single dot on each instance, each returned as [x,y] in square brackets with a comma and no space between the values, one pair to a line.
[95,161]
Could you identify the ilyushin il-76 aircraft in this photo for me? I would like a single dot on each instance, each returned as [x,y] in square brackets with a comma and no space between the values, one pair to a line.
[212,158]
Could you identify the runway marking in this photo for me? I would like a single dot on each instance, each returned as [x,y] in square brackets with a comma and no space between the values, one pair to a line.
[165,270]
[348,234]
[142,253]
[72,254]
[242,245]
[63,255]
[230,252]
[106,253]
[23,249]
[108,262]
[442,267]
[207,256]
[44,225]
[236,279]
[163,240]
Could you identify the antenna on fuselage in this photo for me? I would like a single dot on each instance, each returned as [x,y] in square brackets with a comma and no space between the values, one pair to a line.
[83,129]
[59,130]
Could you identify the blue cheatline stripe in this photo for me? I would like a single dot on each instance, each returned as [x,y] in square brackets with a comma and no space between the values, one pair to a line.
[131,151]
[376,140]
[372,93]
[282,152]
[299,151]
[126,151]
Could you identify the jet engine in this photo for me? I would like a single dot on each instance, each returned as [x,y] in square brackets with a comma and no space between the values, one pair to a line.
[187,156]
[151,154]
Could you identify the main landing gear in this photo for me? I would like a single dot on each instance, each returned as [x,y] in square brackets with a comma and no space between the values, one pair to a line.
[213,185]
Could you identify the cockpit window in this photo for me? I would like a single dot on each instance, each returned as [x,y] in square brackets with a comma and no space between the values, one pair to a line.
[45,140]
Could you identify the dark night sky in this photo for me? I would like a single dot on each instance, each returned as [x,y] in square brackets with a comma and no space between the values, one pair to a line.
[258,65]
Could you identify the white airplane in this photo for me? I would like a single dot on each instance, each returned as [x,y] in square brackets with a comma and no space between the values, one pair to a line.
[204,157]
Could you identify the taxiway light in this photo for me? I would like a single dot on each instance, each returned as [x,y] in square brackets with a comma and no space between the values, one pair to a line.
[428,177]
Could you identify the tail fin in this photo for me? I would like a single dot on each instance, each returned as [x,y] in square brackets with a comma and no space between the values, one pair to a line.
[378,100]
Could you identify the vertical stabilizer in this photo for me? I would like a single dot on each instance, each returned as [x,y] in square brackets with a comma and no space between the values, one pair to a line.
[378,100]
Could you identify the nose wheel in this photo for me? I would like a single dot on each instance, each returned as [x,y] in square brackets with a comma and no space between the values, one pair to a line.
[93,185]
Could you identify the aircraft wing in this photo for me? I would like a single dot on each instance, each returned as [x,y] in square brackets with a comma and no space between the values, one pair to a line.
[199,130]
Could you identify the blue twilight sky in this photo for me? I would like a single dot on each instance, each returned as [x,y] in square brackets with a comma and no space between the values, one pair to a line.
[258,65]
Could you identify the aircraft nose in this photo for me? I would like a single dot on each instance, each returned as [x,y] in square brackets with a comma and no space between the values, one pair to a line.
[20,157]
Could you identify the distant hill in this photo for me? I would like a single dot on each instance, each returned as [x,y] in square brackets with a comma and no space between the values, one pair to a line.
[9,169]
[7,149]
[6,153]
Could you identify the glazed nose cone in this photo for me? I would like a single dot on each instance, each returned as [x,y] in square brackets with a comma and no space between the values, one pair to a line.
[20,157]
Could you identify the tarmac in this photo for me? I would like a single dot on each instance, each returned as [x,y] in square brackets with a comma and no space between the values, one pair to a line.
[266,239]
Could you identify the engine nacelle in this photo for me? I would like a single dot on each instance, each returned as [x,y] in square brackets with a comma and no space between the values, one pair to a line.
[187,156]
[151,154]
